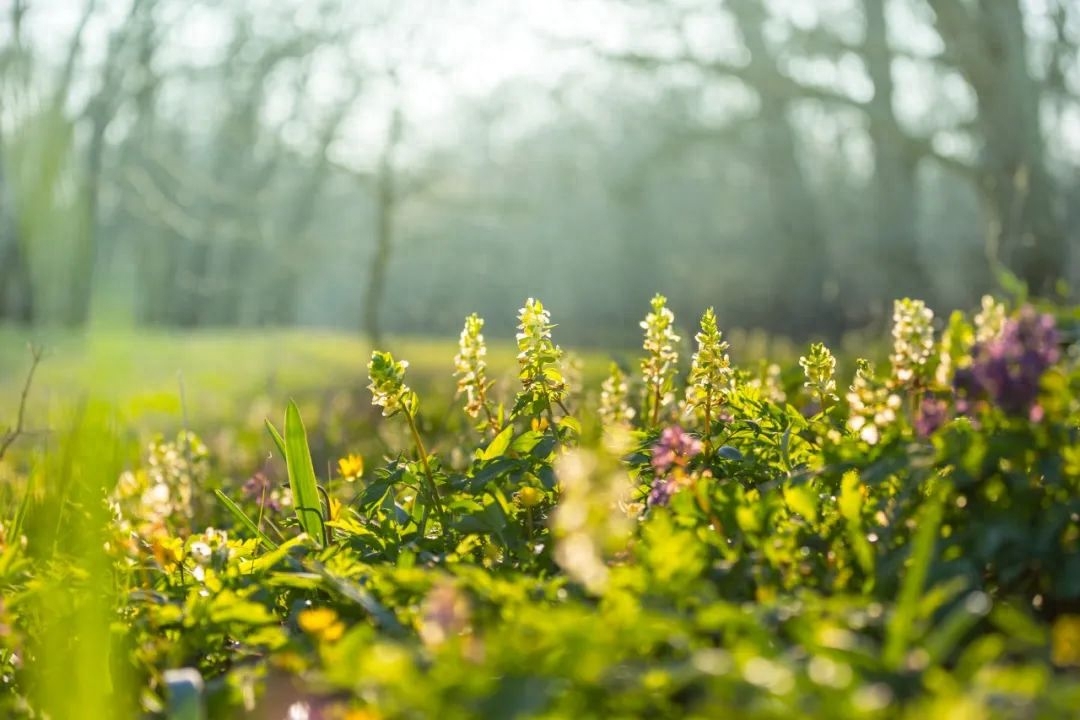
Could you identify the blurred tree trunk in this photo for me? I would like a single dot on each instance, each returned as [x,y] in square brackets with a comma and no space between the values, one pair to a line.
[804,259]
[386,202]
[989,46]
[283,293]
[895,166]
[16,289]
[99,114]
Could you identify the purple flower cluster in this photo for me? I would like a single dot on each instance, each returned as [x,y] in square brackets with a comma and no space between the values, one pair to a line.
[932,414]
[674,450]
[258,489]
[676,447]
[1007,369]
[661,491]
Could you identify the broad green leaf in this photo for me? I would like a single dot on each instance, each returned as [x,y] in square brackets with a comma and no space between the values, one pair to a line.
[573,423]
[498,446]
[305,491]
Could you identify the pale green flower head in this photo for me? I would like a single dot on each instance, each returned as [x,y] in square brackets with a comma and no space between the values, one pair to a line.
[614,398]
[989,320]
[872,407]
[388,388]
[819,368]
[710,370]
[913,340]
[470,366]
[534,328]
[538,359]
[661,360]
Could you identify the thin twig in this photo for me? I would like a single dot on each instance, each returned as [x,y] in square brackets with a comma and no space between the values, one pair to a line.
[12,434]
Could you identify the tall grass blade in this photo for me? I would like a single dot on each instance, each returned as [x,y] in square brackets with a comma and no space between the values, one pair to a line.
[305,490]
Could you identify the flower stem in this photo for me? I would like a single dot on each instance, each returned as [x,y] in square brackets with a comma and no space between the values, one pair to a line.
[433,490]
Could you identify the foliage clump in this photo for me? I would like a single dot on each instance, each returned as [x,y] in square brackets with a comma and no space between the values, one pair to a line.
[909,547]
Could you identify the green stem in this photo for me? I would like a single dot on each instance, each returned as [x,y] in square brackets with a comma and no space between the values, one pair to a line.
[433,490]
[656,405]
[708,424]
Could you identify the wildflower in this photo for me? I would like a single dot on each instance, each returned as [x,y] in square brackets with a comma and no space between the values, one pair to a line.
[529,497]
[661,491]
[676,447]
[913,339]
[258,489]
[388,388]
[661,360]
[872,406]
[767,383]
[351,466]
[710,371]
[614,407]
[1065,641]
[932,414]
[321,623]
[990,320]
[1007,369]
[819,367]
[538,360]
[470,367]
[200,552]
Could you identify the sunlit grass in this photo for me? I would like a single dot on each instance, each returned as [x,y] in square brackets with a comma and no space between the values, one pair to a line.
[158,377]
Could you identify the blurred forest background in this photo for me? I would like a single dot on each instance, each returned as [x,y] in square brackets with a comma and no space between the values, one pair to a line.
[388,166]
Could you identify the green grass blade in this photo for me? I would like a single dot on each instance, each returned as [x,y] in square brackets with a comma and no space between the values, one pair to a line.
[278,440]
[302,475]
[899,632]
[244,520]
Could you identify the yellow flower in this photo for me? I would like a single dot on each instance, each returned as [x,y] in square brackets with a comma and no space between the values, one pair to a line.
[351,466]
[539,424]
[1065,641]
[322,623]
[529,497]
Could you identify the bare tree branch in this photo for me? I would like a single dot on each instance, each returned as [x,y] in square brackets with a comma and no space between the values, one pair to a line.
[12,434]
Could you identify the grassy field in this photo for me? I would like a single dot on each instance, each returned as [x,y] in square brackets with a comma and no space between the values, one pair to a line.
[221,373]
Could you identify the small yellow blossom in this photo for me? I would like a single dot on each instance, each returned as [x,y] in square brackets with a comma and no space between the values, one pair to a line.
[529,496]
[351,466]
[322,623]
[1065,641]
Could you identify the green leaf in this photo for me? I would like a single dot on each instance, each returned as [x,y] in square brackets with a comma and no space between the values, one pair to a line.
[572,423]
[729,453]
[899,632]
[802,500]
[278,440]
[305,491]
[526,441]
[499,445]
[244,520]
